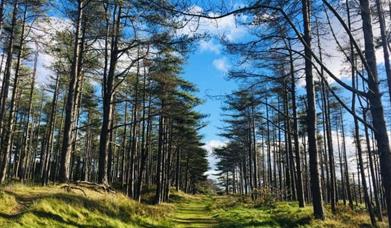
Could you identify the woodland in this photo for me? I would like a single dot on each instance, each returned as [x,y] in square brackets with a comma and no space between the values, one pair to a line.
[99,128]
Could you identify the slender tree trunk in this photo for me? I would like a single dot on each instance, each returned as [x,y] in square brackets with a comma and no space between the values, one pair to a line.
[70,112]
[49,134]
[108,84]
[1,16]
[384,42]
[376,106]
[362,174]
[27,136]
[269,167]
[8,130]
[159,162]
[372,172]
[124,147]
[8,68]
[111,143]
[299,174]
[317,200]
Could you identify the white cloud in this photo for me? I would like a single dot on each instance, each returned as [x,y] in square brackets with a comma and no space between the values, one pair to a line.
[221,64]
[210,146]
[224,27]
[209,46]
[43,71]
[44,31]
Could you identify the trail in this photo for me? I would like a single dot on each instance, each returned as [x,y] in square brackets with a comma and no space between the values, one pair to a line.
[194,213]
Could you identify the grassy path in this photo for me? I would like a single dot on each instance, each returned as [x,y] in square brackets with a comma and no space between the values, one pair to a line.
[194,213]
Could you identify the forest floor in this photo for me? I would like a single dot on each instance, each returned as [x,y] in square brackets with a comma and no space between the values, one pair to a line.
[59,206]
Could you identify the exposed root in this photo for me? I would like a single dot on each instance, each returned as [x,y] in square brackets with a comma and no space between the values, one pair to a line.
[70,187]
[95,186]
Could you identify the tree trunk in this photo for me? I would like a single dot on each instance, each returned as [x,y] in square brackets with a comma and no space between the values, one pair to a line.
[317,200]
[384,42]
[299,174]
[376,106]
[49,134]
[8,131]
[70,112]
[8,68]
[27,136]
[108,84]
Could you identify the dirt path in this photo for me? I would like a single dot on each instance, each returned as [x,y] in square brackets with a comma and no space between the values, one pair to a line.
[194,213]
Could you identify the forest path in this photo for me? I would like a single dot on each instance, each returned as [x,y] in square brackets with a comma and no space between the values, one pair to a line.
[194,213]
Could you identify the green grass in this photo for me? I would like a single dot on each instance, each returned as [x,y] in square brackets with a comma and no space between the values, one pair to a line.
[193,212]
[53,206]
[238,212]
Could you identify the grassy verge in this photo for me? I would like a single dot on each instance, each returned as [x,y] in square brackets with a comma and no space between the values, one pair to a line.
[52,206]
[235,212]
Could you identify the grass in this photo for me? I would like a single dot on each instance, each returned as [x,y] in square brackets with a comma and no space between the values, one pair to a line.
[53,206]
[239,212]
[193,212]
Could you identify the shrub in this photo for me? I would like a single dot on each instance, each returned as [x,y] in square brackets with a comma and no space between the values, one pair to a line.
[265,196]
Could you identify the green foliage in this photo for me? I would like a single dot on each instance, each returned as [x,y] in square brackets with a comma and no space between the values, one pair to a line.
[265,196]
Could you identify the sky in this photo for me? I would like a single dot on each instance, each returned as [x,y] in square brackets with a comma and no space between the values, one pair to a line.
[207,69]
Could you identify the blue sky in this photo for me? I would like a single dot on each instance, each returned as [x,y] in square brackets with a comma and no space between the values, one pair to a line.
[207,68]
[204,69]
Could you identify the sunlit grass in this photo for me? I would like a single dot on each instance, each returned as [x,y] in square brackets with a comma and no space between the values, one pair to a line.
[238,212]
[53,206]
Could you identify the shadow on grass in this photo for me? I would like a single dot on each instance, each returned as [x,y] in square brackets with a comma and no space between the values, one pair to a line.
[109,209]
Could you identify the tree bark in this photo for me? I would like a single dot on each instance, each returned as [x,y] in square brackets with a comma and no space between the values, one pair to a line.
[317,200]
[8,131]
[299,174]
[70,112]
[108,84]
[376,106]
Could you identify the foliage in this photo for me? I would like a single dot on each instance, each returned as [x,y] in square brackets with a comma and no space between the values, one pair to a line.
[265,196]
